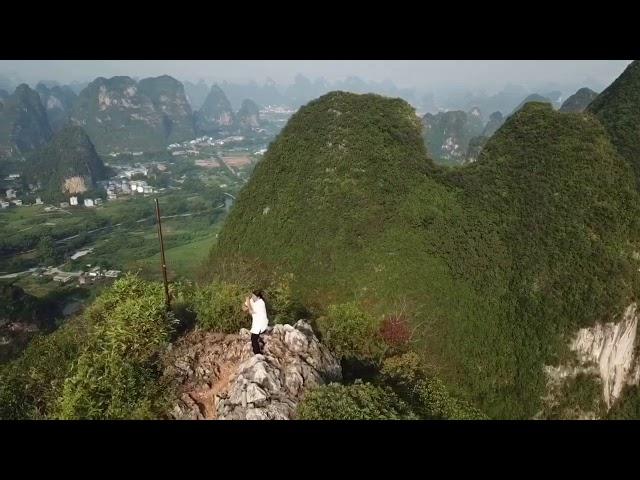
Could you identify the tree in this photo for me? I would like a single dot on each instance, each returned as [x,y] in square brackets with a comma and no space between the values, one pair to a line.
[46,250]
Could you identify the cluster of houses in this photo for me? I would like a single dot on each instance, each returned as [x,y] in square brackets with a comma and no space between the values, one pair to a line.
[88,202]
[89,276]
[187,148]
[10,198]
[127,187]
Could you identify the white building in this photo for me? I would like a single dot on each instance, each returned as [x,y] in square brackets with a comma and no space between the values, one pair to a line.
[11,193]
[73,200]
[62,278]
[88,202]
[38,201]
[4,204]
[17,203]
[97,201]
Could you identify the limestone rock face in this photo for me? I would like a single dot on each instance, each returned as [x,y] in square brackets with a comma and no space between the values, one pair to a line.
[219,377]
[606,351]
[611,347]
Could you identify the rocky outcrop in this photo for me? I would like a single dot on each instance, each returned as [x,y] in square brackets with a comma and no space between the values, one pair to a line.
[606,351]
[168,97]
[122,115]
[611,346]
[219,377]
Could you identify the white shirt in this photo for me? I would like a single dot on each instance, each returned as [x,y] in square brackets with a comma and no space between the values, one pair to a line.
[259,321]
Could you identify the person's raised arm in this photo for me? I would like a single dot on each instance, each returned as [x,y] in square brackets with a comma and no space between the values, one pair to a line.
[249,305]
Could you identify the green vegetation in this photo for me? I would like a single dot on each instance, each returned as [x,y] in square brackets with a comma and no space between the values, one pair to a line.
[69,154]
[496,262]
[628,407]
[111,125]
[116,375]
[578,396]
[104,364]
[350,332]
[31,385]
[360,401]
[617,109]
[579,101]
[426,394]
[107,363]
[218,307]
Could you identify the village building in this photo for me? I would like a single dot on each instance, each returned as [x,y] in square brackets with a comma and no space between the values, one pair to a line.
[4,204]
[11,193]
[17,203]
[88,202]
[62,278]
[38,201]
[73,201]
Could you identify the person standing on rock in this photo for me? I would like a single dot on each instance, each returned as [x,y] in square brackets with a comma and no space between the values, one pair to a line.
[255,305]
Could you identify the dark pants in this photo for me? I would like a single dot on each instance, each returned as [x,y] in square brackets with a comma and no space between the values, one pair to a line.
[255,343]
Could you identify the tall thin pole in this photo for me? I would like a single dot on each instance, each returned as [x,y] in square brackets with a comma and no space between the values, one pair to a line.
[162,261]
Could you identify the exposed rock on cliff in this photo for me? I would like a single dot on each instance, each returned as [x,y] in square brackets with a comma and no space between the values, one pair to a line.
[605,352]
[218,376]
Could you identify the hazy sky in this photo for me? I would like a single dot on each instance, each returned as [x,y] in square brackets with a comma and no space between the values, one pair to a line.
[490,74]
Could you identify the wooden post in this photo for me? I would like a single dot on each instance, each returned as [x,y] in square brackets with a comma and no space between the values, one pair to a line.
[162,260]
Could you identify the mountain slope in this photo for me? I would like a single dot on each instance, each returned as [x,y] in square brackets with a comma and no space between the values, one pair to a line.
[120,114]
[579,100]
[23,121]
[495,122]
[618,108]
[494,263]
[447,134]
[534,97]
[216,112]
[58,101]
[168,97]
[69,163]
[249,114]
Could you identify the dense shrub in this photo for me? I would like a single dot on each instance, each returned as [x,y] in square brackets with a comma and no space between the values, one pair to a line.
[426,394]
[628,407]
[281,303]
[360,401]
[31,385]
[578,397]
[218,307]
[116,376]
[350,331]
